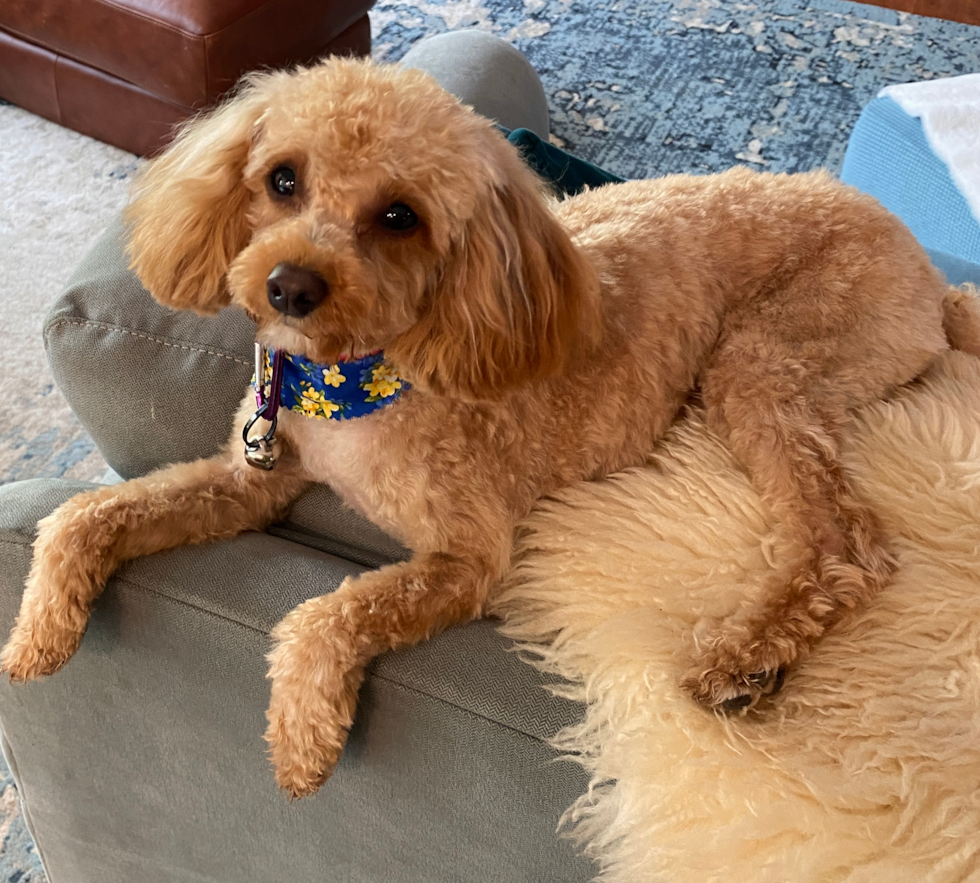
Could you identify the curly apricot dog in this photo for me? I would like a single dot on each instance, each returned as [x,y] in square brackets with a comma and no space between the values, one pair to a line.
[351,209]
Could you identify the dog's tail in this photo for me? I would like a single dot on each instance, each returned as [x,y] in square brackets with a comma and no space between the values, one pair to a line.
[961,318]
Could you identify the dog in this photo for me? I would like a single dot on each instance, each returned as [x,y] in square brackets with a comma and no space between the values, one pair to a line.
[355,209]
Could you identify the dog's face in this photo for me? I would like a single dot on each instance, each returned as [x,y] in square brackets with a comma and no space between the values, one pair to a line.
[351,207]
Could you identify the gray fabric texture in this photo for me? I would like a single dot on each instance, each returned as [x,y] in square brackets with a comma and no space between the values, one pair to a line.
[487,73]
[151,385]
[144,760]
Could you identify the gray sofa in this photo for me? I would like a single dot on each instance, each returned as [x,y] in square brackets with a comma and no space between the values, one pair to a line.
[143,760]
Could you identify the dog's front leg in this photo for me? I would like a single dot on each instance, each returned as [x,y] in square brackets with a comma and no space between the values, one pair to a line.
[83,541]
[324,644]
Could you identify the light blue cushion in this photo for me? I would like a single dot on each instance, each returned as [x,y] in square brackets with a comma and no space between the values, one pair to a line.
[889,157]
[957,270]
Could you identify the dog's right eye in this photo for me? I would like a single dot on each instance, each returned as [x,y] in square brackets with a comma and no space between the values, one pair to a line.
[398,217]
[283,181]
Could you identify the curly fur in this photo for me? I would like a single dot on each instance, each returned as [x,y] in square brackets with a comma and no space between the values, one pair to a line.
[546,343]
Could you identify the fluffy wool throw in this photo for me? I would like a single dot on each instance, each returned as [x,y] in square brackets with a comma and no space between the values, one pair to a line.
[867,766]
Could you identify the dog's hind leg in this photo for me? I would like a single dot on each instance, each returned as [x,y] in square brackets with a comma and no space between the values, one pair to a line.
[961,319]
[83,541]
[830,556]
[322,647]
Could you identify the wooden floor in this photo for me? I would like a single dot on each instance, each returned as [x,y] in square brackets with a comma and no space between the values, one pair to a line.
[956,10]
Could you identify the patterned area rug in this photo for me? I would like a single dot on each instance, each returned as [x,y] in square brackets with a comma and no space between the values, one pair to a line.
[641,87]
[62,191]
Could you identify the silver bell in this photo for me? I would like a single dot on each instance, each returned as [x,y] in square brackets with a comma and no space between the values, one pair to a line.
[260,453]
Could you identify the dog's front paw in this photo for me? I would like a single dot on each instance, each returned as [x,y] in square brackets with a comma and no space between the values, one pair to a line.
[37,646]
[314,695]
[303,753]
[734,669]
[58,594]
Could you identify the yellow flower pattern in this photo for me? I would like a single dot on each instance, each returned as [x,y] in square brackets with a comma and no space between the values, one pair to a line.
[314,404]
[384,382]
[342,390]
[332,376]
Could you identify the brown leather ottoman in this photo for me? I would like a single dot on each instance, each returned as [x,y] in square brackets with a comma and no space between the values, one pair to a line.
[126,71]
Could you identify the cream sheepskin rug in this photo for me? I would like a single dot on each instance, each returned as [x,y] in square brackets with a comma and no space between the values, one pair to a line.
[867,766]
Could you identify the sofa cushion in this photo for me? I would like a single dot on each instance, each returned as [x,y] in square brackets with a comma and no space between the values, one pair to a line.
[956,270]
[106,325]
[889,156]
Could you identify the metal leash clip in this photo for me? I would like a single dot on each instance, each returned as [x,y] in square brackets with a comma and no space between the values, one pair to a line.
[260,451]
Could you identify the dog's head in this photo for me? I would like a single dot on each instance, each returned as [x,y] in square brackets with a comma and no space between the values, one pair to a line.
[351,207]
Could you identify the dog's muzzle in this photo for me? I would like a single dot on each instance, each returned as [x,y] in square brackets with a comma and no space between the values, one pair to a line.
[295,290]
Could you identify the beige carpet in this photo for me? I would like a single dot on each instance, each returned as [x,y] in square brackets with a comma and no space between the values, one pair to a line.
[60,191]
[867,766]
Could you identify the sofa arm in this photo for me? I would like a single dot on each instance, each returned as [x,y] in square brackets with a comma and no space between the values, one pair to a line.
[144,759]
[151,385]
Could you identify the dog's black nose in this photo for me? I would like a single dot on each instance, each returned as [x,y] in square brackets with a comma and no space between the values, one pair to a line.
[294,290]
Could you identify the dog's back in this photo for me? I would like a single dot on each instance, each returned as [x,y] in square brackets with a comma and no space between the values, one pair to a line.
[788,300]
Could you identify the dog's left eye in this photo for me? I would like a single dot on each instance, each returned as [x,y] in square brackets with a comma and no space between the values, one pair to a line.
[283,181]
[398,217]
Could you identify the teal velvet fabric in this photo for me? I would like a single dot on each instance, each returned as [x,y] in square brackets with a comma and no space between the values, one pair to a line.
[568,173]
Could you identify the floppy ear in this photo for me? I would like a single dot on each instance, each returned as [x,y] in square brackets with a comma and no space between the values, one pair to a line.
[513,301]
[187,209]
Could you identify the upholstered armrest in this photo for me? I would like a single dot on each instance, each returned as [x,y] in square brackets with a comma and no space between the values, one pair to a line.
[144,758]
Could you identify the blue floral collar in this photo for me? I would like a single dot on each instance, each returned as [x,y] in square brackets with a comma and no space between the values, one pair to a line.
[340,391]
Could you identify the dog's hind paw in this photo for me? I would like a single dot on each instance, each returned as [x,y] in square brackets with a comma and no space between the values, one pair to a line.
[733,693]
[733,675]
